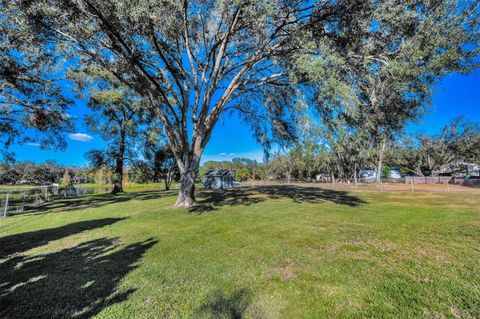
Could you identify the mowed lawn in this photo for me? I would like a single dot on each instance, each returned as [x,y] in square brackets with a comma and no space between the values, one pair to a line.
[252,252]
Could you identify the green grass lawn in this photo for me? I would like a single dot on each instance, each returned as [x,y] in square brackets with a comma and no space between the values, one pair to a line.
[259,252]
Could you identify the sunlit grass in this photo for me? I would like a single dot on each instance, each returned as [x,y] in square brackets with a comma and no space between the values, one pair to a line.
[265,252]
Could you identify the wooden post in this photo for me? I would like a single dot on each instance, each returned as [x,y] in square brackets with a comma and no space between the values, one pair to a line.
[412,184]
[356,177]
[6,207]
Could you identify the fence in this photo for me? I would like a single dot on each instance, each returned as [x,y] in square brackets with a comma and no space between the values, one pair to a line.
[20,201]
[427,179]
[406,184]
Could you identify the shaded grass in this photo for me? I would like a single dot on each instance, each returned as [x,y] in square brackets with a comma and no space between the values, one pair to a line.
[255,252]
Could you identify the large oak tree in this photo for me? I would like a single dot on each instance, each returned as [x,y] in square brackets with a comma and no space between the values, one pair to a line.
[191,60]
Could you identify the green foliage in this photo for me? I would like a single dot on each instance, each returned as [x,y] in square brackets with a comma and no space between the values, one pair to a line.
[459,141]
[386,174]
[159,164]
[243,168]
[374,64]
[33,106]
[33,173]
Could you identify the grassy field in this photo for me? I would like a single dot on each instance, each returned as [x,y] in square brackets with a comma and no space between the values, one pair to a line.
[252,252]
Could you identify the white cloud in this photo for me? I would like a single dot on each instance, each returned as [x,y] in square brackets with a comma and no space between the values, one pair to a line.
[81,137]
[33,144]
[254,155]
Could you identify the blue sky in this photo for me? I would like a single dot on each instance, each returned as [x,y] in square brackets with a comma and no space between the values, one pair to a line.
[455,95]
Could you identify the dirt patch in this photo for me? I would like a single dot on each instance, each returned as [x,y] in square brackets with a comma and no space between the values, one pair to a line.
[285,271]
[432,253]
[316,227]
[376,245]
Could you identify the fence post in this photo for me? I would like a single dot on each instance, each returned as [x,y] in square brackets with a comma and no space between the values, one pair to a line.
[411,183]
[6,207]
[381,185]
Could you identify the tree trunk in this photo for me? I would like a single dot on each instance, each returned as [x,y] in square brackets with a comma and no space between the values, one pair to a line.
[118,180]
[380,161]
[186,193]
[355,173]
[168,181]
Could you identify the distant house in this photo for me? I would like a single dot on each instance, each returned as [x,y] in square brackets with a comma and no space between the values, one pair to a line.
[395,173]
[369,174]
[459,170]
[218,179]
[323,178]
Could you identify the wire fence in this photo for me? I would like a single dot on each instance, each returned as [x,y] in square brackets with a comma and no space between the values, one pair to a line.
[404,184]
[16,202]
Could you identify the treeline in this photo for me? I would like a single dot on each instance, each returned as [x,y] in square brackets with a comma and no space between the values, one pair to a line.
[155,165]
[343,154]
[45,173]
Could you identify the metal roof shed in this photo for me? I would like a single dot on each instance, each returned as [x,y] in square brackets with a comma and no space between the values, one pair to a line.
[218,179]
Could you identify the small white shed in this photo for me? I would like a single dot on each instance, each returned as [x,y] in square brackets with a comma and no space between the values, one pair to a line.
[218,179]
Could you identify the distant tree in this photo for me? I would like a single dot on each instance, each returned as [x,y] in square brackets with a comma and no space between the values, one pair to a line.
[10,173]
[102,174]
[375,63]
[282,166]
[67,178]
[245,168]
[116,115]
[459,141]
[162,164]
[242,168]
[422,155]
[48,172]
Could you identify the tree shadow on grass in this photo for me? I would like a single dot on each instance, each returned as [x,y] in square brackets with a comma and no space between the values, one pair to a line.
[76,282]
[226,306]
[248,195]
[93,201]
[210,200]
[24,241]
